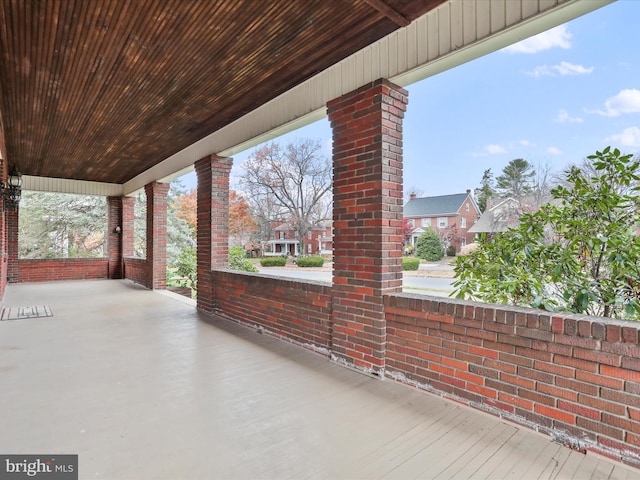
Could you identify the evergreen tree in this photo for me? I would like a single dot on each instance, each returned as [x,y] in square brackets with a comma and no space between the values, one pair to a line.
[60,225]
[516,179]
[486,189]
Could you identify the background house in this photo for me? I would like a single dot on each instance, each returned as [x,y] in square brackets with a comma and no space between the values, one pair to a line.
[504,213]
[449,215]
[319,241]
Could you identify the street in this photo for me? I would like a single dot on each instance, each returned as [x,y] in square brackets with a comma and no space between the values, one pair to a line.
[441,287]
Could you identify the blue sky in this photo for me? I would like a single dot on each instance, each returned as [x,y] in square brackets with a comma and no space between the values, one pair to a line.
[552,99]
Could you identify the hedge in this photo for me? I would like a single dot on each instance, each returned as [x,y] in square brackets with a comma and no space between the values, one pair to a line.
[313,261]
[273,261]
[410,263]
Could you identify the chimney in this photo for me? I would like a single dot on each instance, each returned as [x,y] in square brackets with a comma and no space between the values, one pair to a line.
[468,191]
[412,196]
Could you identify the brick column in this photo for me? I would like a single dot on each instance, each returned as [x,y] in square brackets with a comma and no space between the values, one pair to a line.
[367,219]
[156,234]
[113,236]
[4,224]
[213,224]
[4,253]
[128,219]
[12,214]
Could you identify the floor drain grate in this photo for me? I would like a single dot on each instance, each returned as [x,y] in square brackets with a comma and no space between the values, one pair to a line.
[18,313]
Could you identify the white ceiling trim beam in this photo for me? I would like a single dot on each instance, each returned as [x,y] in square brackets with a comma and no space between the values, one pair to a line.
[61,185]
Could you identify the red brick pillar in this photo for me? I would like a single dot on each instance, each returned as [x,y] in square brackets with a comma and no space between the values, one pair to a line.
[114,236]
[4,252]
[128,219]
[367,219]
[213,224]
[4,237]
[156,234]
[12,215]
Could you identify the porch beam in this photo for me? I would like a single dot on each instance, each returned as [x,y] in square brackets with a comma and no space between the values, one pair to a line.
[389,12]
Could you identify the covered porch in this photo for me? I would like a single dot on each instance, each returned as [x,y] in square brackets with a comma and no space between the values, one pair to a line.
[141,385]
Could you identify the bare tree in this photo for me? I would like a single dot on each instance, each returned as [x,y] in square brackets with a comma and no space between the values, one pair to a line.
[589,170]
[290,184]
[414,190]
[542,183]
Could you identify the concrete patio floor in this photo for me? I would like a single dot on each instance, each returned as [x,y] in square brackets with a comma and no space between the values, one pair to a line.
[141,386]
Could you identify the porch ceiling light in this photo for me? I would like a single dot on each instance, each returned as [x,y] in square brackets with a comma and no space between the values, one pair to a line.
[12,190]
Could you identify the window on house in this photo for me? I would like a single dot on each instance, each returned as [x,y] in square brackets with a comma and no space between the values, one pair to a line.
[442,222]
[281,235]
[463,222]
[463,242]
[426,222]
[467,206]
[309,235]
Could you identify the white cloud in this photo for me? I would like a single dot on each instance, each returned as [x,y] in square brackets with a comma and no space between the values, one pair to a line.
[540,71]
[629,137]
[491,149]
[556,37]
[626,101]
[554,151]
[527,143]
[564,117]
[566,68]
[563,69]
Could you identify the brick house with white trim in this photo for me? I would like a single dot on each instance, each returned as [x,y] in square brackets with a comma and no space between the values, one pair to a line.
[449,215]
[318,241]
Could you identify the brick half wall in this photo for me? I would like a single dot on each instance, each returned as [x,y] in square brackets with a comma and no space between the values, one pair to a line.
[135,269]
[575,378]
[290,309]
[47,270]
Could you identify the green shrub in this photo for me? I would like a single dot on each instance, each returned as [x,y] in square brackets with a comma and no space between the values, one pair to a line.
[273,261]
[410,263]
[429,246]
[238,260]
[312,261]
[182,273]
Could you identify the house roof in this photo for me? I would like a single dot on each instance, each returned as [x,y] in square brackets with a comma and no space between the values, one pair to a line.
[499,218]
[434,206]
[506,213]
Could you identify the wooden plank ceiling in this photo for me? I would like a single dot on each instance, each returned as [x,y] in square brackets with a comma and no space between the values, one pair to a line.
[102,90]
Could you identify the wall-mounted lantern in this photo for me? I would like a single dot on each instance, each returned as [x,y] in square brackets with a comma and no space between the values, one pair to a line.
[12,190]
